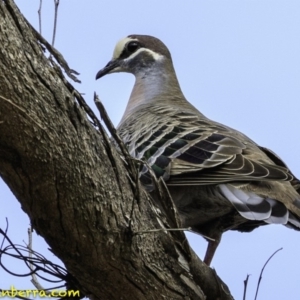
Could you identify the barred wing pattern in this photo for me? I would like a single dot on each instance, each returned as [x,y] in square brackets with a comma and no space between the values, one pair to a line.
[187,149]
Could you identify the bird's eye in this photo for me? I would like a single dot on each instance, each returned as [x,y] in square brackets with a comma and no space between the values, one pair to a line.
[132,47]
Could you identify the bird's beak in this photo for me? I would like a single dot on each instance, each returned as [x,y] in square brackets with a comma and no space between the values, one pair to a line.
[111,67]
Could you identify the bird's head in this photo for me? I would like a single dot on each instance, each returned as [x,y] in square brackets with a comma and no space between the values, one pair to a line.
[135,54]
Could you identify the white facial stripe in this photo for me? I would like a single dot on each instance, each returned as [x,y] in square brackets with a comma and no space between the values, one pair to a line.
[123,42]
[120,47]
[155,55]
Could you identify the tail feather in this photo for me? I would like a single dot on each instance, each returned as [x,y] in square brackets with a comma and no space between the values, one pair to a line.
[293,222]
[279,214]
[249,205]
[255,208]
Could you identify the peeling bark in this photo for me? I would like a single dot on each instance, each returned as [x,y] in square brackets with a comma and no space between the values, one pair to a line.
[77,191]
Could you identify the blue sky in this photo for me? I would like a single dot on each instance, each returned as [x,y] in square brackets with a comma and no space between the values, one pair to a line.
[238,62]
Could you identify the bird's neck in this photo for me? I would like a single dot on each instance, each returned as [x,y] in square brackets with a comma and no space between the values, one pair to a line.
[152,86]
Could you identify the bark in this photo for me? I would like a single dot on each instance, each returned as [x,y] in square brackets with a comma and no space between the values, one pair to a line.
[78,192]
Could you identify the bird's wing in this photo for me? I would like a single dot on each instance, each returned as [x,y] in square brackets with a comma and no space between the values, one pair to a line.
[187,149]
[274,157]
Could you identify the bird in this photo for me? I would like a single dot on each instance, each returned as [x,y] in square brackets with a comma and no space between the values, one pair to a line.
[218,178]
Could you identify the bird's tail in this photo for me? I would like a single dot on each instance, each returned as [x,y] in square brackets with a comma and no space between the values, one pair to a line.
[256,208]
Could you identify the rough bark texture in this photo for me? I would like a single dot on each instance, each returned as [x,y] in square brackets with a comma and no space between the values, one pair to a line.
[76,189]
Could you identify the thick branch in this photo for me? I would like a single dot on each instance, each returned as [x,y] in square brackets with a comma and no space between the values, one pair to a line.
[77,191]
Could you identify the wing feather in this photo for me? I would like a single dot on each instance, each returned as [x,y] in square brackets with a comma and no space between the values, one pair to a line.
[189,149]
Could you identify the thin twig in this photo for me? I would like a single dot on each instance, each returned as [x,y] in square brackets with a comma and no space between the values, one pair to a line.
[4,235]
[105,137]
[40,17]
[114,134]
[137,196]
[262,270]
[34,279]
[245,286]
[56,3]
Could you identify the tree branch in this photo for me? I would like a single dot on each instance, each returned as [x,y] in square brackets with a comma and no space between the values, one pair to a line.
[76,189]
